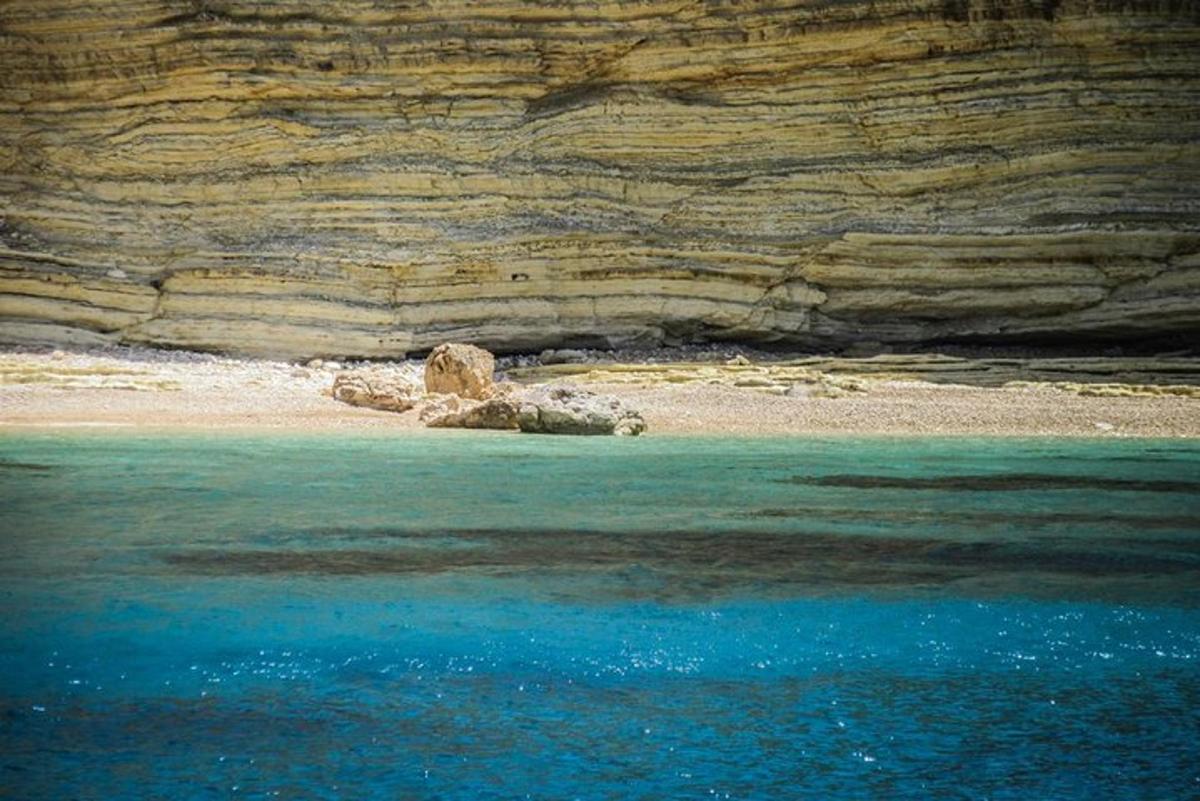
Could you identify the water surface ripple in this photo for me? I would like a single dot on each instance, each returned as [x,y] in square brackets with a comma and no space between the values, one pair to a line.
[505,616]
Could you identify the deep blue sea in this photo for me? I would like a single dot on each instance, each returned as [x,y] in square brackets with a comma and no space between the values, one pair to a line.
[473,616]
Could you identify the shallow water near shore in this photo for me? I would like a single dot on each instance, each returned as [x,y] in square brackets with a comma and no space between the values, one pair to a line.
[500,616]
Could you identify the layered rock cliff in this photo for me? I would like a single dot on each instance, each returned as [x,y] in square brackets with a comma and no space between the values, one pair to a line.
[363,177]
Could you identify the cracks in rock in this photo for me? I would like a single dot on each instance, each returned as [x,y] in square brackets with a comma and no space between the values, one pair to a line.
[793,272]
[676,206]
[594,85]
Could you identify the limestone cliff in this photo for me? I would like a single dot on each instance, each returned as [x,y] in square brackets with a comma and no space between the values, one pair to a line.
[369,177]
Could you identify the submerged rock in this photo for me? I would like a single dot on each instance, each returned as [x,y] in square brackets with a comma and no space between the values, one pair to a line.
[566,410]
[463,370]
[374,391]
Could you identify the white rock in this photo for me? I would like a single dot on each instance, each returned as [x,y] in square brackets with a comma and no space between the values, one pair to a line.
[566,410]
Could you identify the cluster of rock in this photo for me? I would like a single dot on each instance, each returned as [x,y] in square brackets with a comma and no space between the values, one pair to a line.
[461,392]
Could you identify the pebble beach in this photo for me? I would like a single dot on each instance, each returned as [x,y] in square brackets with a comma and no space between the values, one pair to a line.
[694,393]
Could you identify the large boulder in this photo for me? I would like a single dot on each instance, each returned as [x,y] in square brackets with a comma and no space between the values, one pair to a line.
[567,410]
[374,391]
[462,370]
[452,411]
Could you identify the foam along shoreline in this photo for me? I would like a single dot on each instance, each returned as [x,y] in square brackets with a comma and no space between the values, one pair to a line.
[914,394]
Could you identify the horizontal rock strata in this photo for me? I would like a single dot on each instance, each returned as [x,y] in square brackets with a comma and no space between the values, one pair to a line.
[366,178]
[1103,376]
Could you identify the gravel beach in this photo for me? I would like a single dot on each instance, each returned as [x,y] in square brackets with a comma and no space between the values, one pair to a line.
[155,389]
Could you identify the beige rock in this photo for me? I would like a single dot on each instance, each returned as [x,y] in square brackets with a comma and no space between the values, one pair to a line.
[374,391]
[494,413]
[439,405]
[463,370]
[754,381]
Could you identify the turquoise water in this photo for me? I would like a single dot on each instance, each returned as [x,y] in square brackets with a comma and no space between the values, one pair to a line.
[512,616]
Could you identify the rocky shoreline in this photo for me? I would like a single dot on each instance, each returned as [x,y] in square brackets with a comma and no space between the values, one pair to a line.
[703,390]
[459,390]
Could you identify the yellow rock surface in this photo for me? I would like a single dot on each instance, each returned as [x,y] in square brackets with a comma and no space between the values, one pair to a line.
[355,177]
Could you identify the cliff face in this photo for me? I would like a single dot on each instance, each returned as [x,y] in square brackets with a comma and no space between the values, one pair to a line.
[364,177]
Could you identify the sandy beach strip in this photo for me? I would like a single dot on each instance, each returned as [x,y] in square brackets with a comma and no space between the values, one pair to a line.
[165,390]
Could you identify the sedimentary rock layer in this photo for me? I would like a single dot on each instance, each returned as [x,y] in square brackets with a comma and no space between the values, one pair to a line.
[363,177]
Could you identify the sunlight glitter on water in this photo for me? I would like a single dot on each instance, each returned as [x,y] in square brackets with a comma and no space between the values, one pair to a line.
[285,616]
